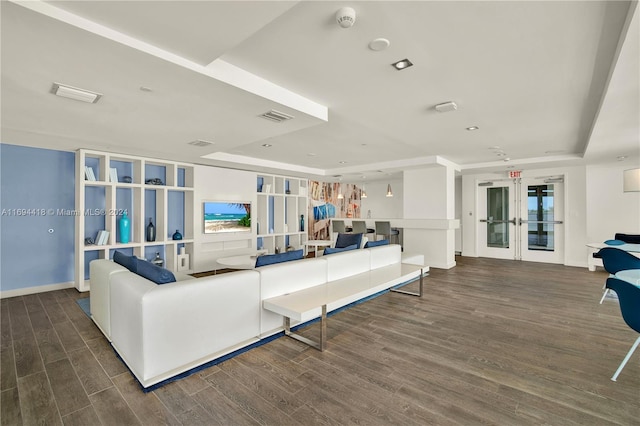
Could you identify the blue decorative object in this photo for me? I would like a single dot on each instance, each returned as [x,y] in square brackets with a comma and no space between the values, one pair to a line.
[270,259]
[154,273]
[376,243]
[129,262]
[345,240]
[301,223]
[614,242]
[125,228]
[331,250]
[177,235]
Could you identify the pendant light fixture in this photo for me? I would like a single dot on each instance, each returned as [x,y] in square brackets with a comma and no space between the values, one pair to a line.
[364,192]
[389,192]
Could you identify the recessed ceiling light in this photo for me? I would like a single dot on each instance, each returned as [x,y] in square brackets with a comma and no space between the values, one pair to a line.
[446,106]
[75,93]
[506,159]
[312,154]
[401,65]
[267,145]
[472,128]
[146,89]
[201,142]
[378,44]
[494,147]
[342,162]
[621,157]
[500,154]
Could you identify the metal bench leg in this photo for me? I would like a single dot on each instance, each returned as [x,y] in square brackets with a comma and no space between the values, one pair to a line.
[322,345]
[412,293]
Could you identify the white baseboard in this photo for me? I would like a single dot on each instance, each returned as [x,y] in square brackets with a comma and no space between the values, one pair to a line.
[34,290]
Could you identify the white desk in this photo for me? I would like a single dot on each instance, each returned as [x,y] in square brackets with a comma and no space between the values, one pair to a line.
[592,262]
[317,244]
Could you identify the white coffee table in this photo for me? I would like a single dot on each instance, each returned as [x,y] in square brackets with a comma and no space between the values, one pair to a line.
[241,261]
[317,244]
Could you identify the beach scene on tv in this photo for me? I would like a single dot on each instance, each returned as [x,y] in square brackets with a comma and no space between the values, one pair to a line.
[226,217]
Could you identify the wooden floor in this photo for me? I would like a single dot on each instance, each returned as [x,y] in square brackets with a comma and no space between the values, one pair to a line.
[491,342]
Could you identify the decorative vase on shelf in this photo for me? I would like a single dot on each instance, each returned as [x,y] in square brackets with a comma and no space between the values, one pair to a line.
[125,228]
[158,260]
[301,223]
[151,231]
[177,235]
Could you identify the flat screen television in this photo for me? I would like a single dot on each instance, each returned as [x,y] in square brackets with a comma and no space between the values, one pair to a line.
[226,217]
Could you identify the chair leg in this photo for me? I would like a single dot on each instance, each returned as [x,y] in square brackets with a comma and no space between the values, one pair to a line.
[606,291]
[626,358]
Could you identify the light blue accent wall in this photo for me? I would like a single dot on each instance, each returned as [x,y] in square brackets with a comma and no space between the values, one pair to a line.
[35,179]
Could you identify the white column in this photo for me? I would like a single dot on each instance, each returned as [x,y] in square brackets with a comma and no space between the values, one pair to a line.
[429,193]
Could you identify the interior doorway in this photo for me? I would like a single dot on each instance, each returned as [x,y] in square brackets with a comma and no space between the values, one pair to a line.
[522,219]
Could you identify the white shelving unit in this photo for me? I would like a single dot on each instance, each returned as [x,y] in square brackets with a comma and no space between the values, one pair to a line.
[281,202]
[100,203]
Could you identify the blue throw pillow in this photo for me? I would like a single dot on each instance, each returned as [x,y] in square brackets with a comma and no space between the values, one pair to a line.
[155,273]
[129,262]
[614,242]
[331,250]
[376,243]
[270,259]
[346,240]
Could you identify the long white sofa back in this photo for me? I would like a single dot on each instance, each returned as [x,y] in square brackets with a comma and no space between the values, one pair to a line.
[163,330]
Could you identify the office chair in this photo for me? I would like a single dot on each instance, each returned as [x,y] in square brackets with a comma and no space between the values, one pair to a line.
[616,260]
[629,298]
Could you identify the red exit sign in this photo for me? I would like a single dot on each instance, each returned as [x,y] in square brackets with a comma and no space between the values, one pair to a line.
[514,174]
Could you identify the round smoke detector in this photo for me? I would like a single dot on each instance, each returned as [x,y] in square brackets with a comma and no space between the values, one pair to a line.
[345,17]
[379,44]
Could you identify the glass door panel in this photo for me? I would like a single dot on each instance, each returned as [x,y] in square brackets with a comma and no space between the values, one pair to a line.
[541,220]
[498,217]
[496,203]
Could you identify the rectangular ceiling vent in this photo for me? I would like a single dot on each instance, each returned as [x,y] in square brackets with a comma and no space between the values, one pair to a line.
[75,93]
[200,142]
[276,116]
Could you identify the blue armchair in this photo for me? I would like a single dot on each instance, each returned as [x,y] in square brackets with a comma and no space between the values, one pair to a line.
[615,260]
[629,297]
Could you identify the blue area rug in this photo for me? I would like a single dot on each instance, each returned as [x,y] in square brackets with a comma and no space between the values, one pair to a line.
[85,305]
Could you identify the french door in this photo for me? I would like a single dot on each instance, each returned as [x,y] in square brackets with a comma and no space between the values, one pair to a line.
[522,219]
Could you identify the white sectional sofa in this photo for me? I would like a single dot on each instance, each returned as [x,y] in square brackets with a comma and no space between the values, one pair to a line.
[163,330]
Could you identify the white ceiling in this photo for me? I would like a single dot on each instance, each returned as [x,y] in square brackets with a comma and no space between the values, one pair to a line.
[547,82]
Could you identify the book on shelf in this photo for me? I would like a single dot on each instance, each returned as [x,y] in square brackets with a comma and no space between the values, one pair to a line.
[113,174]
[88,171]
[102,238]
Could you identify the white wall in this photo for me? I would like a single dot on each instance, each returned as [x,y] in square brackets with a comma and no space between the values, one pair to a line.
[218,184]
[575,220]
[378,203]
[610,210]
[432,193]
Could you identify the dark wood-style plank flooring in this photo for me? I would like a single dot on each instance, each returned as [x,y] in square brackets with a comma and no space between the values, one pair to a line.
[492,342]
